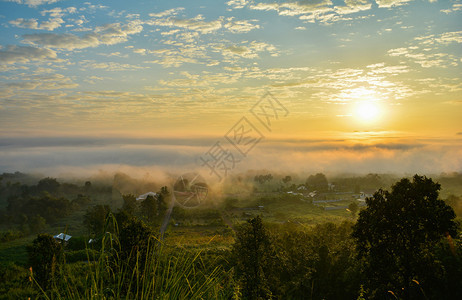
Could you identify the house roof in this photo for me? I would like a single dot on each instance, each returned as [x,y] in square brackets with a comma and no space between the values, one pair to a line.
[144,196]
[63,237]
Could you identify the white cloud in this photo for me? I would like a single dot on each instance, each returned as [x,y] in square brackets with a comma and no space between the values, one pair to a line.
[354,6]
[166,13]
[179,56]
[450,37]
[41,82]
[50,25]
[109,34]
[427,50]
[58,12]
[323,11]
[455,7]
[241,26]
[34,2]
[242,51]
[237,3]
[140,51]
[314,7]
[391,3]
[246,50]
[24,54]
[195,24]
[173,61]
[111,66]
[170,32]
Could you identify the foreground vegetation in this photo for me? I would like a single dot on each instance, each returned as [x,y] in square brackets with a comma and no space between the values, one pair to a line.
[274,243]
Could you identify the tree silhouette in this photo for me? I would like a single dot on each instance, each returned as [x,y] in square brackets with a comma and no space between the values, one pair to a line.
[287,179]
[45,255]
[95,218]
[252,252]
[48,184]
[130,205]
[134,238]
[150,207]
[263,178]
[317,182]
[353,207]
[397,233]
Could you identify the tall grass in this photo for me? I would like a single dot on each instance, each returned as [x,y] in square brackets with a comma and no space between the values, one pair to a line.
[159,273]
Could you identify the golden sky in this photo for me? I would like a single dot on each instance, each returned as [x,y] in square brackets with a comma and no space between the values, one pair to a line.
[359,76]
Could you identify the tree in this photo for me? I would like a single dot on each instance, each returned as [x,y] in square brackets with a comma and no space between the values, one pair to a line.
[164,191]
[45,255]
[37,224]
[130,205]
[49,207]
[149,207]
[134,240]
[317,182]
[263,178]
[396,235]
[252,253]
[48,184]
[287,179]
[95,218]
[353,208]
[456,204]
[87,186]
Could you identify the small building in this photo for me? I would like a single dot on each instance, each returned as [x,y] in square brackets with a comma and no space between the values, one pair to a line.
[62,237]
[330,186]
[144,196]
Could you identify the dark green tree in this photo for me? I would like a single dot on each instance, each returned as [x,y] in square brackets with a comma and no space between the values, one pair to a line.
[130,205]
[252,252]
[164,191]
[48,207]
[456,204]
[263,178]
[150,207]
[48,184]
[134,238]
[396,235]
[87,186]
[45,256]
[36,224]
[353,207]
[317,182]
[296,258]
[95,218]
[287,179]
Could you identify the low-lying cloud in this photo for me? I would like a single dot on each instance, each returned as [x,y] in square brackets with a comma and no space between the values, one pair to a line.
[57,156]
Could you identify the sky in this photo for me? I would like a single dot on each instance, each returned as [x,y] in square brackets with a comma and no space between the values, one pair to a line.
[315,85]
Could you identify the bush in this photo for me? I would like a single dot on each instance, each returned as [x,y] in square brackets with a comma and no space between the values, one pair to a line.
[76,243]
[81,255]
[10,235]
[14,282]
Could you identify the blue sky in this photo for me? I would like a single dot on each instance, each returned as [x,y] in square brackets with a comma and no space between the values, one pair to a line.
[193,68]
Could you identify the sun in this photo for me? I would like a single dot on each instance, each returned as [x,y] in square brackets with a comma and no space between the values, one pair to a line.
[367,111]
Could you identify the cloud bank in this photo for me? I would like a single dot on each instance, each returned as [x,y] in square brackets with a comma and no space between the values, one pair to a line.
[67,155]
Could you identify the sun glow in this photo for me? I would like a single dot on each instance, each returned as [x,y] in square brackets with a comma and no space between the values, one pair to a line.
[367,111]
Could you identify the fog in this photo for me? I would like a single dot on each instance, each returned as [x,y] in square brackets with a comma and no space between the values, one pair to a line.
[163,159]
